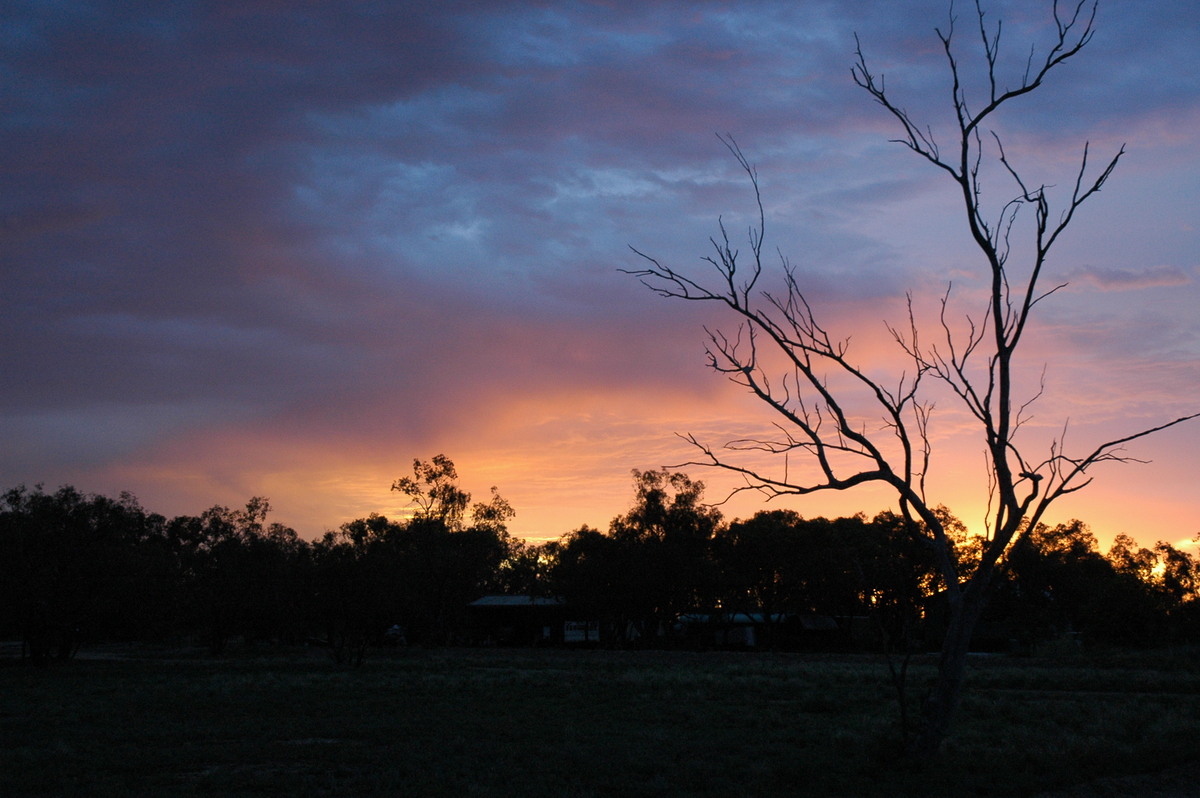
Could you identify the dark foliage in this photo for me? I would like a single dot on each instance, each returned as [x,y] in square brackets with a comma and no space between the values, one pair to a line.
[77,569]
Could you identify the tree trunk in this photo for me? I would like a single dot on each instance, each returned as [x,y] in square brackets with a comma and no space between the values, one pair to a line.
[937,710]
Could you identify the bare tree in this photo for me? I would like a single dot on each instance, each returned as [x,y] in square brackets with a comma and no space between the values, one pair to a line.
[807,377]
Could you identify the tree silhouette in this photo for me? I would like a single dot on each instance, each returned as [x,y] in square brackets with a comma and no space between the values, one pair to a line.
[820,385]
[240,576]
[588,569]
[76,568]
[762,564]
[666,538]
[433,487]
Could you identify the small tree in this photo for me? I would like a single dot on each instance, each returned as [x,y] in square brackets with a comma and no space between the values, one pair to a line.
[433,487]
[818,391]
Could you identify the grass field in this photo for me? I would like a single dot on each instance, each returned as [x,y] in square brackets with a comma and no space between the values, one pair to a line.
[573,723]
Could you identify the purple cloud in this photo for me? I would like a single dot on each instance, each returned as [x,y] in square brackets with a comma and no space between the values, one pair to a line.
[1133,279]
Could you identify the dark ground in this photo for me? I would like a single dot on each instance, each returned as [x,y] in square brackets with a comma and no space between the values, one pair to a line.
[273,721]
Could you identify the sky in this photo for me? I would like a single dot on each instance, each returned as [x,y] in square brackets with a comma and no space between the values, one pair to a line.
[265,248]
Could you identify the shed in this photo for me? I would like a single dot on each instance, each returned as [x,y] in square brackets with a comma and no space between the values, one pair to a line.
[519,620]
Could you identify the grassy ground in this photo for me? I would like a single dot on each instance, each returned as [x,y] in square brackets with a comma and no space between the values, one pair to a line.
[573,723]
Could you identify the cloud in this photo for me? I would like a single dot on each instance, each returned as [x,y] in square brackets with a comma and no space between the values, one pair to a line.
[1133,279]
[242,243]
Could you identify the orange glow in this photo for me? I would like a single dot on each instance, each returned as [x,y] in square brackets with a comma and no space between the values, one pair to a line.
[565,461]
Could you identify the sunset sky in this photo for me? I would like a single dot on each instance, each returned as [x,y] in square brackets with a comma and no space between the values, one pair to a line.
[281,249]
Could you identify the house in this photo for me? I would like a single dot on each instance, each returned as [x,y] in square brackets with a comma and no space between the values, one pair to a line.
[517,620]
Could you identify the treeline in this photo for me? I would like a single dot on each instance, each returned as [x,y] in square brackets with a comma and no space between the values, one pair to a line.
[78,568]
